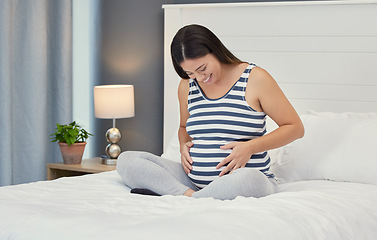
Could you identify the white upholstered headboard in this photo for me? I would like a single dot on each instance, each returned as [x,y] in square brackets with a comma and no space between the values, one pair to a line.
[322,54]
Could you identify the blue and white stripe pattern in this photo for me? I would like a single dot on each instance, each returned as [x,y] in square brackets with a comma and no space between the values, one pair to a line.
[216,122]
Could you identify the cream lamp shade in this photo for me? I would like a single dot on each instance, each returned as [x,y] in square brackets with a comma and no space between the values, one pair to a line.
[114,101]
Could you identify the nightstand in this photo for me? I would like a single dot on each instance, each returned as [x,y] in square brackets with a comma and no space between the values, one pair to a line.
[92,165]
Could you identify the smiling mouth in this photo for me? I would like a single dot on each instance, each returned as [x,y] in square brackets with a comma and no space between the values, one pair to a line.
[205,81]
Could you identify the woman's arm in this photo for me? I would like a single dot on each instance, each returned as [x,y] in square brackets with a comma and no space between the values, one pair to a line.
[264,94]
[275,104]
[184,139]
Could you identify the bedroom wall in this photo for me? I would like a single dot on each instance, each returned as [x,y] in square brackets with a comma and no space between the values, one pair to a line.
[131,52]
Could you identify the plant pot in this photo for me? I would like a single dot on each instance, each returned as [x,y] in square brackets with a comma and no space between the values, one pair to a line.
[72,154]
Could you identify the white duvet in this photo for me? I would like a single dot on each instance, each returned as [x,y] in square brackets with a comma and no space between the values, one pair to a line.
[99,206]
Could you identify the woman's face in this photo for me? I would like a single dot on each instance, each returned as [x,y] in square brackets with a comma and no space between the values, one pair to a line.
[204,69]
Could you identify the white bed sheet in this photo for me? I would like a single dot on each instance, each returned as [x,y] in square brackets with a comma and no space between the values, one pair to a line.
[99,206]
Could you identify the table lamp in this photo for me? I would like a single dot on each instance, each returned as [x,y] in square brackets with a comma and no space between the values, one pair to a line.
[113,102]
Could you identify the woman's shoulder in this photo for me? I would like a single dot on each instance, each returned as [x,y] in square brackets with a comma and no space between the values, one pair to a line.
[257,70]
[260,82]
[184,84]
[259,75]
[184,87]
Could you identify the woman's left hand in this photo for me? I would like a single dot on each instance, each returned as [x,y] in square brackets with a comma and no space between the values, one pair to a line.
[240,155]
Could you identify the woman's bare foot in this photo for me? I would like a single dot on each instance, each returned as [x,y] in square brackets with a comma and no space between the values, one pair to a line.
[189,192]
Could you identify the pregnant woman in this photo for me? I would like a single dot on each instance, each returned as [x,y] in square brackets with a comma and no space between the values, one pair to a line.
[223,107]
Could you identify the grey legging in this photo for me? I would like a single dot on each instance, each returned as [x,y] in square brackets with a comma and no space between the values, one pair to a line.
[165,177]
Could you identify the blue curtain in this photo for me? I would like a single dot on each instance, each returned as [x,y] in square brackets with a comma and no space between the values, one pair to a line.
[35,85]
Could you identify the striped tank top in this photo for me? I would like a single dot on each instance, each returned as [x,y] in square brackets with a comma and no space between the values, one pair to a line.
[216,122]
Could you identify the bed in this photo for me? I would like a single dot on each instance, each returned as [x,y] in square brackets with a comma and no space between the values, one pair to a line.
[328,179]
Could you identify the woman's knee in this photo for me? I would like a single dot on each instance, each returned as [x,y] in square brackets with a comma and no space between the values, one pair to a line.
[128,164]
[126,160]
[128,156]
[262,184]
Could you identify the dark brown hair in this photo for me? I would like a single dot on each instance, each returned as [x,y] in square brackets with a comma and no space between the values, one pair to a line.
[194,41]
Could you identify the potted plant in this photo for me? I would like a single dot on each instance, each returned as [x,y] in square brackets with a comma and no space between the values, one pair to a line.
[72,141]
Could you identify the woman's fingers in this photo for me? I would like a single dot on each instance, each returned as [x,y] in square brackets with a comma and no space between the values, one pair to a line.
[226,170]
[186,165]
[186,158]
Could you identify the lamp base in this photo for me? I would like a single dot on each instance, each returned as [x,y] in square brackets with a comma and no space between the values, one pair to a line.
[106,160]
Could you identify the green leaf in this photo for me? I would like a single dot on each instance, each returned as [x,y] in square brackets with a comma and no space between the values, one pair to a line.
[70,133]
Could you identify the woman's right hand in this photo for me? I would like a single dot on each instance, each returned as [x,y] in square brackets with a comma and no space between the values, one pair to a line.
[185,157]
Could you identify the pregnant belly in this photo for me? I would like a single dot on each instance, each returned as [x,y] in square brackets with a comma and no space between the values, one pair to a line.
[205,158]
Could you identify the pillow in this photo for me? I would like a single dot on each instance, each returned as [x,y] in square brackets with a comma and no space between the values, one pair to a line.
[344,115]
[172,151]
[336,146]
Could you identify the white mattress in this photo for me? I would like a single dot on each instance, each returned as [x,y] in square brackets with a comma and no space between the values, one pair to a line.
[99,206]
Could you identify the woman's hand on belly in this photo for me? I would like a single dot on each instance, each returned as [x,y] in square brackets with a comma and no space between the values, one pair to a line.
[185,157]
[238,158]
